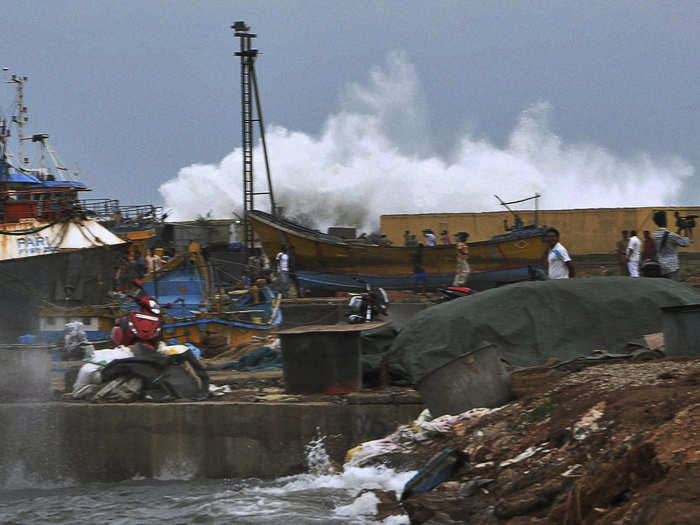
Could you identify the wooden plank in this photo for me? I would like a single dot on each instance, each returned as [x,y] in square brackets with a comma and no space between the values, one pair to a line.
[321,328]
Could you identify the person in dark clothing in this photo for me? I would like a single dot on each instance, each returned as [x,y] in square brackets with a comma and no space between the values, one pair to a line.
[117,280]
[622,253]
[293,270]
[649,248]
[140,266]
[419,275]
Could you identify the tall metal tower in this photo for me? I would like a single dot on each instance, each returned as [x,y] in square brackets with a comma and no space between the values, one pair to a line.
[249,92]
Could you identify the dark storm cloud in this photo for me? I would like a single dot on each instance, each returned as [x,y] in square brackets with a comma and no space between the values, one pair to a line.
[134,91]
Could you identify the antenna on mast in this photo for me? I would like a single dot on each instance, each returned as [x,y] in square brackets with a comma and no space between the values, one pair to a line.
[518,221]
[20,119]
[249,91]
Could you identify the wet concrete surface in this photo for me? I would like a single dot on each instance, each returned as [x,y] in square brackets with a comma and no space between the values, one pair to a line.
[264,438]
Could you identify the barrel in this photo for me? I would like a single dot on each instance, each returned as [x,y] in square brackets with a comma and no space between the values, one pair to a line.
[323,359]
[682,329]
[475,379]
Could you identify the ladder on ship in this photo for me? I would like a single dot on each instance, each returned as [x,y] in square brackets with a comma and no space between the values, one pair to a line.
[251,112]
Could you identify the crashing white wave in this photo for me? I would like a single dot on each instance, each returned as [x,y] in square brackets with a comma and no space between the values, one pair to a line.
[373,157]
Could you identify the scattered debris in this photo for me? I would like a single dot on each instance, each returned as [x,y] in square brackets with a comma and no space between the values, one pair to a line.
[531,451]
[618,443]
[588,424]
[407,437]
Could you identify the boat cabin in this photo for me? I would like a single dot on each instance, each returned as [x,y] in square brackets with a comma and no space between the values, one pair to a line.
[24,196]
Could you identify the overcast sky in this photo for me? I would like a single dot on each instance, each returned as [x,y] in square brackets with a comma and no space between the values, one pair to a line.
[136,90]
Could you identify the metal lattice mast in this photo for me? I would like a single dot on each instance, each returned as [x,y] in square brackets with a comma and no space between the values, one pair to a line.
[249,91]
[20,119]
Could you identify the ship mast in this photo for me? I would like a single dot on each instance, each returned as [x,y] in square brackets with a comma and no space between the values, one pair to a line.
[506,205]
[249,92]
[42,139]
[3,149]
[20,119]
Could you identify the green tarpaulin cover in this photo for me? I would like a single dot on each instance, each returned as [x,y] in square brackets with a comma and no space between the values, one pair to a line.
[533,321]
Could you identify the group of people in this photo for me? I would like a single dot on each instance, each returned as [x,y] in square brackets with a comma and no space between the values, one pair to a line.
[656,255]
[430,238]
[136,267]
[631,251]
[462,255]
[659,249]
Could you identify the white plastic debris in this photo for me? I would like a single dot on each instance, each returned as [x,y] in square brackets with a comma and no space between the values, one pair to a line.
[90,372]
[588,424]
[218,391]
[164,349]
[104,357]
[74,336]
[531,451]
[571,472]
[406,437]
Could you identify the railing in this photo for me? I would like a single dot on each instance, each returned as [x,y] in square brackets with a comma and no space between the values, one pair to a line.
[110,209]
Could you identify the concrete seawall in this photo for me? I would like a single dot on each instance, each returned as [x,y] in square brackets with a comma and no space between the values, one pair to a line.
[86,442]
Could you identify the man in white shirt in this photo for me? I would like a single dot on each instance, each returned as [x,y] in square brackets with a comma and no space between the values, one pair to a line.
[282,260]
[559,265]
[430,239]
[634,250]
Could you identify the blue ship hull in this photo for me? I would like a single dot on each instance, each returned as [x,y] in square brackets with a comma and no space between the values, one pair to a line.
[477,280]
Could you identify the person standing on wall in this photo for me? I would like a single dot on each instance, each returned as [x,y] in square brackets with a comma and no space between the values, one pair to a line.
[667,244]
[419,274]
[430,239]
[444,237]
[282,260]
[462,273]
[622,253]
[558,261]
[634,250]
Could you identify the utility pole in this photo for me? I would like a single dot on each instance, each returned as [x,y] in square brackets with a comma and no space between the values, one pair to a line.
[249,91]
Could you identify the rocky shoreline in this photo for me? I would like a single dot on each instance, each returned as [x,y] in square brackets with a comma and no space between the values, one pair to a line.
[616,443]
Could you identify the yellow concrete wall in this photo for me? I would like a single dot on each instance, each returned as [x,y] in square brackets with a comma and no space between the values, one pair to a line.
[583,232]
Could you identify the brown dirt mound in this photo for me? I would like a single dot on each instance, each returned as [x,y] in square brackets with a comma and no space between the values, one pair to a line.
[611,444]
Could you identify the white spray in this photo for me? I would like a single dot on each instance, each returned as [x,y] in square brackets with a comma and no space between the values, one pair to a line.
[372,157]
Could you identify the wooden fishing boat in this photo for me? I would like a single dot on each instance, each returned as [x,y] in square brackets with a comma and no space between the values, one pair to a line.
[324,261]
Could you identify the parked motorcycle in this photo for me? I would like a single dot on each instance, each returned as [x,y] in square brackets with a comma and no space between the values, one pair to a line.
[363,307]
[146,373]
[453,292]
[144,326]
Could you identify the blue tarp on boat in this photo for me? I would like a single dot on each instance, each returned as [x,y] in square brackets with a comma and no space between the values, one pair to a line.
[21,178]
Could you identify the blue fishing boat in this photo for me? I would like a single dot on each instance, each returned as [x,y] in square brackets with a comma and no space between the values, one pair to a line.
[199,308]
